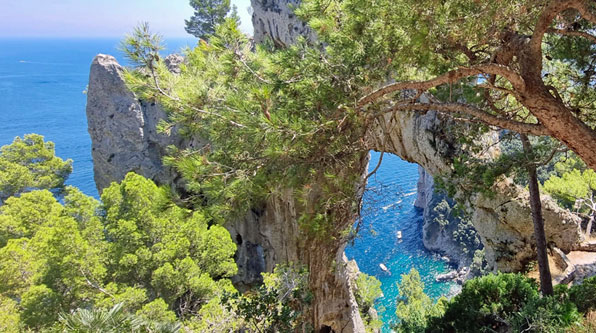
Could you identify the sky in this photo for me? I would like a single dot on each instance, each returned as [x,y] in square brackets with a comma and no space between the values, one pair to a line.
[99,18]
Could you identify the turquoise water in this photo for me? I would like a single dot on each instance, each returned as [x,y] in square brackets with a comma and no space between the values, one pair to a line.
[377,243]
[41,91]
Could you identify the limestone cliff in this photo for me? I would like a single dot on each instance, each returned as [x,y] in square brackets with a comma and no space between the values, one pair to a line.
[275,20]
[445,230]
[123,128]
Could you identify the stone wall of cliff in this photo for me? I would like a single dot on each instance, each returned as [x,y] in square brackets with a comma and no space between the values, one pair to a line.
[275,20]
[444,229]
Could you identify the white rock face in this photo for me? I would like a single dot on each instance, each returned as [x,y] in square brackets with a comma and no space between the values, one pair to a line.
[503,222]
[123,128]
[275,19]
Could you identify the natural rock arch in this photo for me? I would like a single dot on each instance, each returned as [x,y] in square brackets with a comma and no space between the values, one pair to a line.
[124,139]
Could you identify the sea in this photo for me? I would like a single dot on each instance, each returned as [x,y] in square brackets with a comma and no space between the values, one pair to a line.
[42,90]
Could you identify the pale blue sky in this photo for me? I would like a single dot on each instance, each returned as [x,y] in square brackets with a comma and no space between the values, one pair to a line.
[99,18]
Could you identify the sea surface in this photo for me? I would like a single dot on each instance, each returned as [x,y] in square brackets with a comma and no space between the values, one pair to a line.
[388,207]
[42,85]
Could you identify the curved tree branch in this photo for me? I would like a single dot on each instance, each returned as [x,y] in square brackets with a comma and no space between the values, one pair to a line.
[489,119]
[574,33]
[550,13]
[449,77]
[584,11]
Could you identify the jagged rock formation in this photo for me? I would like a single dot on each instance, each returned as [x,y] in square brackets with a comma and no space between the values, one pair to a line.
[443,230]
[123,128]
[503,222]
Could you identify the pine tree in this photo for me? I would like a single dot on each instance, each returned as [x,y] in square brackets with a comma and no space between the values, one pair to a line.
[208,14]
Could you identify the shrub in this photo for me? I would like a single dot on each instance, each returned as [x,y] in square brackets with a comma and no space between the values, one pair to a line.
[551,314]
[584,295]
[414,307]
[486,304]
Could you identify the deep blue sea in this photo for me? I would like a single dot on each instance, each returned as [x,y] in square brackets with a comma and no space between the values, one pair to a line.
[42,84]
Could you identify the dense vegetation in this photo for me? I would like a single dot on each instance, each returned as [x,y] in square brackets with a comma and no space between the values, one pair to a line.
[296,118]
[133,262]
[496,303]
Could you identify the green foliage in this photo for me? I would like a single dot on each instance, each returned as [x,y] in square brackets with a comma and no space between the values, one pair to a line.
[47,264]
[38,306]
[29,164]
[137,249]
[584,295]
[494,303]
[141,47]
[487,303]
[113,320]
[215,317]
[273,123]
[573,183]
[278,305]
[208,14]
[368,290]
[9,315]
[414,307]
[478,173]
[157,311]
[168,250]
[551,314]
[478,267]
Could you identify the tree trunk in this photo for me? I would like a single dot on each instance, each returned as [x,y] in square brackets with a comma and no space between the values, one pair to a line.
[589,226]
[561,123]
[546,283]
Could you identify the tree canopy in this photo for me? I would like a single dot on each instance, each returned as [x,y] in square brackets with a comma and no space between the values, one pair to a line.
[135,251]
[29,163]
[522,65]
[207,16]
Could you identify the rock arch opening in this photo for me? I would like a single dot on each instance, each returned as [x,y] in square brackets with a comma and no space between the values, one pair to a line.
[390,241]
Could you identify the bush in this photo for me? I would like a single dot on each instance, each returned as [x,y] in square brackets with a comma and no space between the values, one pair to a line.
[584,295]
[368,290]
[414,307]
[551,314]
[487,304]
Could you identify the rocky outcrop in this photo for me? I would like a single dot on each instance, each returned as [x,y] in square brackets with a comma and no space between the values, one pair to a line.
[123,130]
[445,230]
[275,20]
[504,223]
